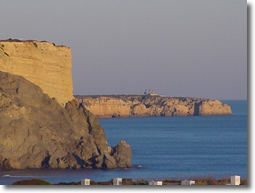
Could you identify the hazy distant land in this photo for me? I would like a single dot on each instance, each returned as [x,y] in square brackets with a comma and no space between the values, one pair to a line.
[152,104]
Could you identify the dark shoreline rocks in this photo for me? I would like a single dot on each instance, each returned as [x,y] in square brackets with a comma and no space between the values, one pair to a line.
[37,132]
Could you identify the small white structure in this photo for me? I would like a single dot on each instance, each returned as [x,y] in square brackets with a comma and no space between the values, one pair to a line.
[155,183]
[235,180]
[188,182]
[85,182]
[153,93]
[117,181]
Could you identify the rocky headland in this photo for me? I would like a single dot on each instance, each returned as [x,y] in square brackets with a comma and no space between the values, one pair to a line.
[40,126]
[149,105]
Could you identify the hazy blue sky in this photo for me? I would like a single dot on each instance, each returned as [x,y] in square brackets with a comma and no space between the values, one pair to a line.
[192,48]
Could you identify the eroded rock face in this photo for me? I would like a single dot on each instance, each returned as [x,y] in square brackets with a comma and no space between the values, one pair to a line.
[42,63]
[37,132]
[145,105]
[122,154]
[213,107]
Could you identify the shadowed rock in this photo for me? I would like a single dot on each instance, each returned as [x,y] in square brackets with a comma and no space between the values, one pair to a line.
[37,132]
[122,154]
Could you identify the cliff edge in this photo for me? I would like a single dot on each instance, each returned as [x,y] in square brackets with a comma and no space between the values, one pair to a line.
[146,105]
[43,63]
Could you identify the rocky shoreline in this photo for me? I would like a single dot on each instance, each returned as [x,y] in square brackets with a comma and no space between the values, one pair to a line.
[37,132]
[114,106]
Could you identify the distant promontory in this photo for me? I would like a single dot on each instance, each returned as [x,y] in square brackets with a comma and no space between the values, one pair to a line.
[152,105]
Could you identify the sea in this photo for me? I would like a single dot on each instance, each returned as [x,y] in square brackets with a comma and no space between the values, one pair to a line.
[166,148]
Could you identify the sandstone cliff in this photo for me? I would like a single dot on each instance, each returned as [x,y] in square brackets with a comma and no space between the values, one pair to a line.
[42,63]
[146,105]
[37,132]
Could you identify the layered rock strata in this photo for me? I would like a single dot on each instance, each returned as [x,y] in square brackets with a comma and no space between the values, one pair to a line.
[37,132]
[146,105]
[42,63]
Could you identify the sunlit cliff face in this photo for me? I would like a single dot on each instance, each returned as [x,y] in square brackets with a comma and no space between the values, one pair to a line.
[42,63]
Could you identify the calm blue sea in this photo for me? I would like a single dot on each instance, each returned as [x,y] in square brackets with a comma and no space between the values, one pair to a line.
[167,147]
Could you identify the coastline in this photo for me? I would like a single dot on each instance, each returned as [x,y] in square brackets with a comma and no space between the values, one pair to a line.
[151,105]
[113,127]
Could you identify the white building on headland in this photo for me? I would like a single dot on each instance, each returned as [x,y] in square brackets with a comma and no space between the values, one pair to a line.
[188,182]
[155,183]
[85,182]
[117,181]
[153,93]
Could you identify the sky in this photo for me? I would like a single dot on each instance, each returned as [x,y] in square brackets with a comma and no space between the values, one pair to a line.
[192,48]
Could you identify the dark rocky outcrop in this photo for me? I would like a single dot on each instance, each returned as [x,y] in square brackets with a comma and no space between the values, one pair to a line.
[37,132]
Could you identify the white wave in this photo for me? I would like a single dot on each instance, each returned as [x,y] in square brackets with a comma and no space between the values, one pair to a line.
[10,176]
[4,176]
